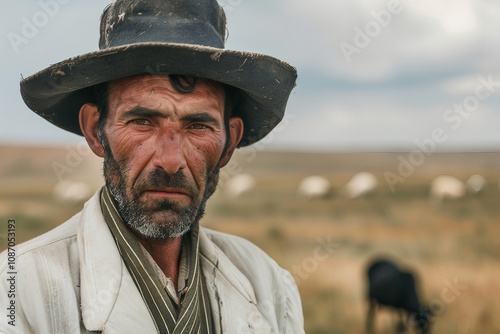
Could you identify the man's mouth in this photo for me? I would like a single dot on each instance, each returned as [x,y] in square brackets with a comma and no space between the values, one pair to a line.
[167,193]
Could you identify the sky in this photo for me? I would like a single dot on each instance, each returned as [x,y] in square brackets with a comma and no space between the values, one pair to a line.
[374,75]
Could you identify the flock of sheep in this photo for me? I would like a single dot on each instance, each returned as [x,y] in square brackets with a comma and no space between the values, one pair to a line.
[361,184]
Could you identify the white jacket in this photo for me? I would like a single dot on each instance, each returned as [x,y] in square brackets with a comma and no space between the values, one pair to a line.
[73,280]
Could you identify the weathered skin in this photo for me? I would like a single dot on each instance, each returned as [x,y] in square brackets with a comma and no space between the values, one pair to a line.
[152,126]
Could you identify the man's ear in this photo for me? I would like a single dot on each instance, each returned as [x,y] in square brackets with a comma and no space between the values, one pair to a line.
[89,116]
[236,131]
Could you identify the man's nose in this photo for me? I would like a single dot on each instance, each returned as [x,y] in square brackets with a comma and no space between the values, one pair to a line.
[169,153]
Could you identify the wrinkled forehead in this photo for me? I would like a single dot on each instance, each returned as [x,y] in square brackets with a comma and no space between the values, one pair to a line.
[138,83]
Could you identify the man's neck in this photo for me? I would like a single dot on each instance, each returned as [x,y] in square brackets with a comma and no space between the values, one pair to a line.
[165,253]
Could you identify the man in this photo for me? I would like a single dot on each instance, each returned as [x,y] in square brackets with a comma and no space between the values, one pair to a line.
[165,106]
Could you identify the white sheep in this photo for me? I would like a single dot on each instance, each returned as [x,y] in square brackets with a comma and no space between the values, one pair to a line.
[447,186]
[476,184]
[72,191]
[313,187]
[239,185]
[360,185]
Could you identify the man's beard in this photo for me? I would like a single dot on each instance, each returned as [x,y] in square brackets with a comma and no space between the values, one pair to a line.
[155,218]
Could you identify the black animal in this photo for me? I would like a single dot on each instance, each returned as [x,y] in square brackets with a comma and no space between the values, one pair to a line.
[391,287]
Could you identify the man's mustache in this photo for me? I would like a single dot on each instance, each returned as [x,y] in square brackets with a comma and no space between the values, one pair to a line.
[158,178]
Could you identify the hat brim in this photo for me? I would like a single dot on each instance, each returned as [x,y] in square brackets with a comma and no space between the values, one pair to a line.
[58,92]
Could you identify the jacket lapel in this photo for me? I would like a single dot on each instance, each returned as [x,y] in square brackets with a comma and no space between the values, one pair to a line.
[110,301]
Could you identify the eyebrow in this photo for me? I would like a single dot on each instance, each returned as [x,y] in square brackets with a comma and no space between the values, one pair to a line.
[202,117]
[142,112]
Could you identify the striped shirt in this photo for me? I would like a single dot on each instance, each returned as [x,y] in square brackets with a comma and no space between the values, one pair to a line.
[166,282]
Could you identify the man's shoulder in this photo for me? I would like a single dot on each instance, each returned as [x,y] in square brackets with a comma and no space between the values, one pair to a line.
[226,237]
[49,243]
[242,253]
[232,242]
[257,275]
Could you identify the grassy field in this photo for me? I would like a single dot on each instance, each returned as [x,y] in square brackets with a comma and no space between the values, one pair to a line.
[454,247]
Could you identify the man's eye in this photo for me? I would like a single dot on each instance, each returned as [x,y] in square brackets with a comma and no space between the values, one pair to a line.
[141,121]
[198,126]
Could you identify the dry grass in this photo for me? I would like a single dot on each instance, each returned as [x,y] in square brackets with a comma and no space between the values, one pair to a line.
[455,241]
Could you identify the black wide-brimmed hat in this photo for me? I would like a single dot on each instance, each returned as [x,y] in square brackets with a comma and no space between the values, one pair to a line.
[181,37]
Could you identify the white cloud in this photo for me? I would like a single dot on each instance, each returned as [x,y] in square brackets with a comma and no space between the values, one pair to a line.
[427,35]
[455,16]
[462,85]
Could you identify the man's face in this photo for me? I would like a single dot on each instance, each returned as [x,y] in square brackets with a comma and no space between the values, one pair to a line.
[162,152]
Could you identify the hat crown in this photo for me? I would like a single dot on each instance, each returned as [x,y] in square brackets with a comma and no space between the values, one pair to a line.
[196,22]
